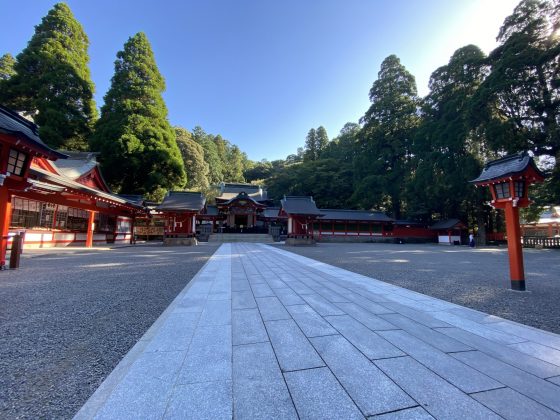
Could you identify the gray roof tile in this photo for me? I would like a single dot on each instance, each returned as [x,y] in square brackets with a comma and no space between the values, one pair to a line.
[182,201]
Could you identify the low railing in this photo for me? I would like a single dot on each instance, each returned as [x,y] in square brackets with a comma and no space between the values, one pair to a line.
[540,242]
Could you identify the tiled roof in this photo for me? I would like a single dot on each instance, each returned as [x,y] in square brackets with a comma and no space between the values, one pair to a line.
[77,164]
[448,224]
[506,166]
[229,191]
[271,212]
[356,215]
[182,201]
[300,205]
[211,211]
[61,180]
[15,124]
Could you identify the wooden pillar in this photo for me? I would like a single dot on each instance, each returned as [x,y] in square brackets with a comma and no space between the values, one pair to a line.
[5,219]
[516,270]
[132,223]
[90,226]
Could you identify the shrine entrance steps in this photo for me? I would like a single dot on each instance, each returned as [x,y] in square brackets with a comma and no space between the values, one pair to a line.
[262,238]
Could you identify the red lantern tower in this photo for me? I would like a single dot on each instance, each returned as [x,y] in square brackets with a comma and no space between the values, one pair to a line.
[508,179]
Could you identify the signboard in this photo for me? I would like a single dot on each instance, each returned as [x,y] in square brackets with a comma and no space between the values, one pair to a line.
[148,230]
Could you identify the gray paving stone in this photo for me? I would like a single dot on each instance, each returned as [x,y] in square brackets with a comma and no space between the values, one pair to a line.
[243,300]
[292,348]
[209,356]
[322,306]
[420,317]
[416,413]
[310,322]
[462,376]
[209,400]
[240,285]
[434,338]
[369,343]
[538,389]
[276,283]
[288,297]
[248,327]
[175,333]
[300,288]
[373,307]
[478,329]
[513,405]
[437,396]
[262,290]
[220,296]
[216,312]
[373,322]
[501,352]
[318,395]
[531,334]
[548,354]
[271,309]
[476,316]
[555,380]
[259,390]
[144,391]
[192,303]
[330,295]
[371,389]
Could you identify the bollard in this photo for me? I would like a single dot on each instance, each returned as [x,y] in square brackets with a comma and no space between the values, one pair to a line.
[17,245]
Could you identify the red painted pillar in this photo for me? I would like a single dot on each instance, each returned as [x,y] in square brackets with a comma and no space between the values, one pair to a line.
[516,270]
[89,235]
[5,218]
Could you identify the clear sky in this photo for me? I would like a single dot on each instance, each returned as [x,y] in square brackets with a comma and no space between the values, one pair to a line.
[263,72]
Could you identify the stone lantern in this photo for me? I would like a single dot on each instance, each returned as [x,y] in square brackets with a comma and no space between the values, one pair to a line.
[508,179]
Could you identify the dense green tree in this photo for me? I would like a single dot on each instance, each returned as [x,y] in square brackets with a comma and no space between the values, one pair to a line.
[211,155]
[193,159]
[52,81]
[7,66]
[520,98]
[259,171]
[235,164]
[448,151]
[344,147]
[310,151]
[382,165]
[139,152]
[316,142]
[324,179]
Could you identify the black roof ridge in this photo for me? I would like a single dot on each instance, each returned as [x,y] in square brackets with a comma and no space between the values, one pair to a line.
[513,156]
[29,124]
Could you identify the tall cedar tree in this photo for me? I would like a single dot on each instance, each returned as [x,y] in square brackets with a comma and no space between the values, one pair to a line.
[139,152]
[193,159]
[520,98]
[382,166]
[52,81]
[7,64]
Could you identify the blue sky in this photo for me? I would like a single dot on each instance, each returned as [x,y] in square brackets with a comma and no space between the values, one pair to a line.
[262,73]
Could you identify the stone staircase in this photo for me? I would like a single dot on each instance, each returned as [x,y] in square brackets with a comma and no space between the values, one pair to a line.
[262,238]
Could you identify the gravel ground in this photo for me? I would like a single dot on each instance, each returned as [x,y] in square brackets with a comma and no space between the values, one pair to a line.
[477,278]
[67,317]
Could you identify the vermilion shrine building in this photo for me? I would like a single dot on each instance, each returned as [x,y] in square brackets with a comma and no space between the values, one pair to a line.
[57,198]
[60,199]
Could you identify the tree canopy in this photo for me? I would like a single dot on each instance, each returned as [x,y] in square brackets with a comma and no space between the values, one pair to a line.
[52,81]
[139,152]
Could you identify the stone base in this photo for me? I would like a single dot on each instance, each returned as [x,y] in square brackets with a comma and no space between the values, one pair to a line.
[179,241]
[300,242]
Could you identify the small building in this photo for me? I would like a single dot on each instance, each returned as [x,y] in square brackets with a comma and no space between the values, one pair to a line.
[352,225]
[548,225]
[450,231]
[55,198]
[179,210]
[302,214]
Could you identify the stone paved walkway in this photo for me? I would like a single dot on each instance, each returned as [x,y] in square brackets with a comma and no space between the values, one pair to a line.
[264,333]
